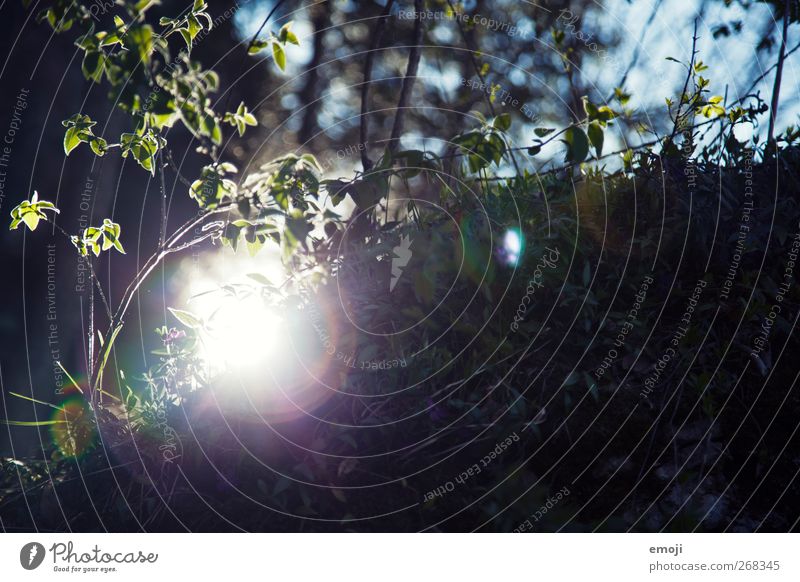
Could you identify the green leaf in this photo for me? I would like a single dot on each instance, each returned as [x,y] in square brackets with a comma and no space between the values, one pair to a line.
[241,119]
[186,318]
[606,114]
[497,147]
[32,422]
[502,122]
[286,35]
[622,96]
[577,144]
[110,232]
[187,38]
[596,137]
[33,400]
[590,108]
[31,220]
[292,38]
[256,46]
[194,26]
[30,212]
[259,278]
[142,38]
[99,145]
[543,131]
[216,131]
[71,140]
[280,55]
[92,65]
[142,147]
[108,39]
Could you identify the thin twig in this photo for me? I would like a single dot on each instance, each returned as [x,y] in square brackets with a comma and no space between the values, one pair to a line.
[408,80]
[91,339]
[252,41]
[637,52]
[776,89]
[376,41]
[170,246]
[163,234]
[183,179]
[765,73]
[690,67]
[471,51]
[604,156]
[92,274]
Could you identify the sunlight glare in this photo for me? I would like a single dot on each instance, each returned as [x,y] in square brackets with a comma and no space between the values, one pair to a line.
[241,334]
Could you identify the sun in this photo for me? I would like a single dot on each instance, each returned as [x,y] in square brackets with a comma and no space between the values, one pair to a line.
[241,334]
[225,290]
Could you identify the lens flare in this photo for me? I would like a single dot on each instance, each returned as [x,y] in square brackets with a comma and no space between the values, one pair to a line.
[241,334]
[511,250]
[74,430]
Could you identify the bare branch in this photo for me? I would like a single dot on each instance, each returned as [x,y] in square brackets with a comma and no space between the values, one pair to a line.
[690,68]
[639,45]
[408,80]
[376,41]
[776,90]
[760,78]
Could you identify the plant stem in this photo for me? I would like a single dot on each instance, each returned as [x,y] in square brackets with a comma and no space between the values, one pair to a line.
[408,80]
[776,89]
[376,41]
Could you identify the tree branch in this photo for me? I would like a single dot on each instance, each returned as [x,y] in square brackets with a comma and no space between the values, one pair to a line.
[767,72]
[376,41]
[320,20]
[408,80]
[690,67]
[776,89]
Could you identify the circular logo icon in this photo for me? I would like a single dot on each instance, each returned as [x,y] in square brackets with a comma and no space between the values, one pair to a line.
[31,555]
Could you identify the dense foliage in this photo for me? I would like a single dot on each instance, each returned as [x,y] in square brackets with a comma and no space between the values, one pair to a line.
[550,318]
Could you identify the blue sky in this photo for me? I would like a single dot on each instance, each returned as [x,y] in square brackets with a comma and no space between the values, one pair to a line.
[733,61]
